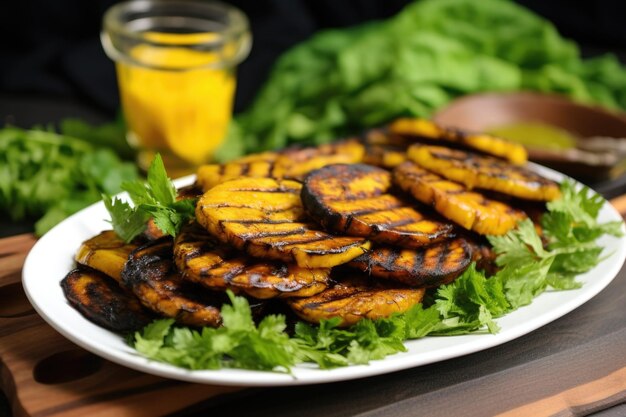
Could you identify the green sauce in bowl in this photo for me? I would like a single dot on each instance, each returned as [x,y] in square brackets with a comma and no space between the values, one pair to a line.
[536,135]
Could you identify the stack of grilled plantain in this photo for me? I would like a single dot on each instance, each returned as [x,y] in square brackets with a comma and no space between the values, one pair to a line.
[357,228]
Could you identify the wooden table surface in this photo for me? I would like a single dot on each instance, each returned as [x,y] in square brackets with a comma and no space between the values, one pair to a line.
[573,366]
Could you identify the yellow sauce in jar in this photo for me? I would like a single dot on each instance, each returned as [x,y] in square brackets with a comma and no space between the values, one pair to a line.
[177,104]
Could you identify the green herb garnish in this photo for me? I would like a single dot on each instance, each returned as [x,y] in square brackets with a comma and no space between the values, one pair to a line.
[154,199]
[48,175]
[471,303]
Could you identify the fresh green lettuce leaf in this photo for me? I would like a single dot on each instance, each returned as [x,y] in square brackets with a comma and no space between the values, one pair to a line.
[430,53]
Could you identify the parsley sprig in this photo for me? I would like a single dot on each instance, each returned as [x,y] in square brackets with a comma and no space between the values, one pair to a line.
[571,228]
[471,303]
[47,175]
[154,199]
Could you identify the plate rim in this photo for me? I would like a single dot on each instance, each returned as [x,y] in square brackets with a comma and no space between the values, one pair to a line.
[304,374]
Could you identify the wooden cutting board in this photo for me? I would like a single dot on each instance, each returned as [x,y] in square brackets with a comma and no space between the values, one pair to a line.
[44,374]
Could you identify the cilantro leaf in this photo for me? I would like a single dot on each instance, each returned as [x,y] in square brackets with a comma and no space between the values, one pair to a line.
[572,219]
[150,340]
[572,228]
[159,185]
[154,199]
[562,282]
[420,321]
[126,221]
[139,193]
[237,316]
[471,300]
[376,339]
[239,343]
[522,284]
[46,176]
[576,260]
[583,205]
[520,246]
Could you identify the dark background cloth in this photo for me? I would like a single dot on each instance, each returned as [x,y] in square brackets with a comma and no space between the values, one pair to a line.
[51,50]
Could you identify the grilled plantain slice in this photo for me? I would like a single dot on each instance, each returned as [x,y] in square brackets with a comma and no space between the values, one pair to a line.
[106,253]
[151,275]
[471,210]
[484,172]
[297,163]
[204,260]
[356,297]
[189,191]
[383,149]
[354,200]
[259,165]
[382,136]
[422,129]
[429,266]
[384,156]
[152,231]
[102,301]
[483,255]
[292,163]
[265,218]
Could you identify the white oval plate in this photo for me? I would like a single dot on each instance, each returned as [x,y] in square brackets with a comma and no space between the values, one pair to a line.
[52,258]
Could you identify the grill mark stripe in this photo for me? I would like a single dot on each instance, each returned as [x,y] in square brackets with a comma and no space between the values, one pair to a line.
[195,253]
[353,197]
[242,206]
[262,235]
[208,270]
[254,238]
[249,222]
[267,190]
[245,168]
[234,272]
[348,224]
[390,258]
[443,255]
[301,242]
[362,212]
[271,168]
[418,262]
[329,251]
[401,222]
[357,213]
[323,251]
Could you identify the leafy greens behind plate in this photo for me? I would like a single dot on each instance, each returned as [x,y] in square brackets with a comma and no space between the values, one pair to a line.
[48,176]
[341,81]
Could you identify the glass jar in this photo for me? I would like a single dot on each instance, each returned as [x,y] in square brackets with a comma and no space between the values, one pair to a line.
[176,64]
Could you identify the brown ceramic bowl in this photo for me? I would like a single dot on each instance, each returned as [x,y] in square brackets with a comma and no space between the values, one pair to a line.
[480,112]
